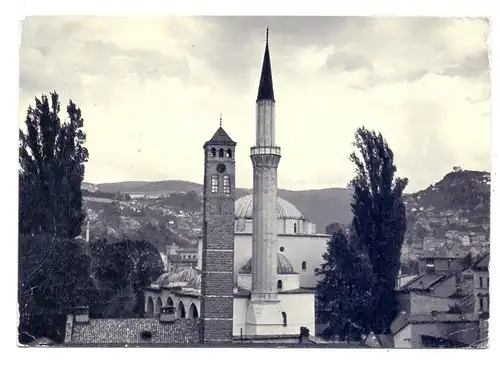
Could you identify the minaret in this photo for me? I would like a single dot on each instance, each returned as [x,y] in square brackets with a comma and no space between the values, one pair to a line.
[264,312]
[265,157]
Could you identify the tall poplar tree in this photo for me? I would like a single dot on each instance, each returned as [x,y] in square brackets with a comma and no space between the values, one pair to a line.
[52,160]
[379,220]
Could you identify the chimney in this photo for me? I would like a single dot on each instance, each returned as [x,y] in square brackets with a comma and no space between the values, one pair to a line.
[87,234]
[82,315]
[167,314]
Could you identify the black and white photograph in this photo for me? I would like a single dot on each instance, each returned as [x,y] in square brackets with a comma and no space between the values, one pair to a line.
[254,181]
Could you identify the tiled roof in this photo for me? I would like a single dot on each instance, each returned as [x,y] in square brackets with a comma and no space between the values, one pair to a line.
[130,332]
[404,319]
[220,138]
[483,263]
[423,282]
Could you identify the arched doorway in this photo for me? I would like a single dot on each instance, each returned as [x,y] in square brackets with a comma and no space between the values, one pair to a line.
[170,302]
[158,305]
[150,305]
[193,311]
[181,311]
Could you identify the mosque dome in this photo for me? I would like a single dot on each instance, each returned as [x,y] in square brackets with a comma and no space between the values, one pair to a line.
[284,266]
[165,278]
[243,208]
[185,275]
[194,283]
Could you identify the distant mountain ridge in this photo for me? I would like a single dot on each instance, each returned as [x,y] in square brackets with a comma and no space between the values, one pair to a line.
[321,206]
[175,215]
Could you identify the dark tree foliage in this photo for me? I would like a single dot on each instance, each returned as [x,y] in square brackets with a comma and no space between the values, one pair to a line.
[53,278]
[52,165]
[379,220]
[344,290]
[121,272]
[332,228]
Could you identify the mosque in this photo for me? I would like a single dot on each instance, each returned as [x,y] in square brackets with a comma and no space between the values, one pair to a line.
[274,247]
[256,262]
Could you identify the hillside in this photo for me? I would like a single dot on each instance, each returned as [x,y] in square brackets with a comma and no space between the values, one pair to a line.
[166,212]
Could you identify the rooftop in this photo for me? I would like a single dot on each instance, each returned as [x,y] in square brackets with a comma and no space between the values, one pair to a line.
[243,208]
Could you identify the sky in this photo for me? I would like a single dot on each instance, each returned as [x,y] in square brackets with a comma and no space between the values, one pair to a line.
[151,91]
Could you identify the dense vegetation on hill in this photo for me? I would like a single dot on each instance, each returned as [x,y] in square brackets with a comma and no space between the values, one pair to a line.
[176,215]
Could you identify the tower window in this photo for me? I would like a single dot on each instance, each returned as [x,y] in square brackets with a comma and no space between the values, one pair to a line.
[227,184]
[280,285]
[229,153]
[283,314]
[215,184]
[221,153]
[213,152]
[304,266]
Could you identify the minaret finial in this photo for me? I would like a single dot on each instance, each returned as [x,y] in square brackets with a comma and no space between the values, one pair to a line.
[220,120]
[267,35]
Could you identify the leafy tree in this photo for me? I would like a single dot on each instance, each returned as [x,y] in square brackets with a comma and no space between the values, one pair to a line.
[344,290]
[53,278]
[379,220]
[52,160]
[332,228]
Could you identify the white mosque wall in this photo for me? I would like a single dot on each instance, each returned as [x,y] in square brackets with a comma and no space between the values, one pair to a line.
[239,315]
[297,248]
[245,281]
[299,310]
[288,282]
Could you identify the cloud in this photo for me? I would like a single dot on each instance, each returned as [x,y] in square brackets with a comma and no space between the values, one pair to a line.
[151,91]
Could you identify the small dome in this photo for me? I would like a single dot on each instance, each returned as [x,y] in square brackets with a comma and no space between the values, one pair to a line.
[195,283]
[185,275]
[284,266]
[165,278]
[243,208]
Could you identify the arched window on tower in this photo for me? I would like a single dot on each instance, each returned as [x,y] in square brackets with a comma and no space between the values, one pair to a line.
[213,152]
[280,285]
[229,153]
[304,266]
[295,227]
[226,184]
[221,153]
[215,184]
[283,314]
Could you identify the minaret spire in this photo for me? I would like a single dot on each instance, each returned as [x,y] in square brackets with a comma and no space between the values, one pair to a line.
[220,120]
[266,91]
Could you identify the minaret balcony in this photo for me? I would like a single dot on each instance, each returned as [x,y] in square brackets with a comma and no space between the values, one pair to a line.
[256,150]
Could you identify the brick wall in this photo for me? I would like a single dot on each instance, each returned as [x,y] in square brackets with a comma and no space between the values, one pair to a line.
[129,331]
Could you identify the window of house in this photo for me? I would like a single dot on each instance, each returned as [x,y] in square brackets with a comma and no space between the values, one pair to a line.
[227,185]
[215,184]
[480,282]
[280,285]
[304,266]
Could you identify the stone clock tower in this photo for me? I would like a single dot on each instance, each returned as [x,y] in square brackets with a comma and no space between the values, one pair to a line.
[218,239]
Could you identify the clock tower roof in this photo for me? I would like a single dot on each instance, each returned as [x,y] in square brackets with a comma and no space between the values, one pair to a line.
[220,138]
